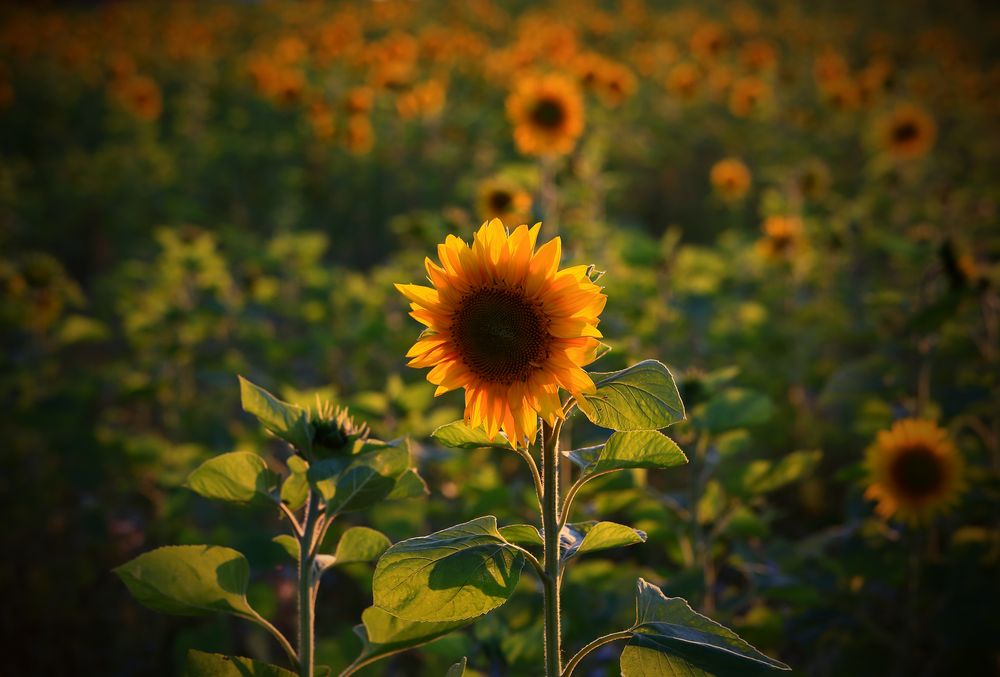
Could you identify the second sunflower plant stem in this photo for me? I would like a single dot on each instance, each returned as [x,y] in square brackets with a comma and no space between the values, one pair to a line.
[550,531]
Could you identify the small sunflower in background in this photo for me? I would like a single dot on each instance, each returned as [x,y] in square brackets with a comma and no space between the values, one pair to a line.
[504,323]
[748,95]
[906,132]
[547,113]
[784,237]
[730,179]
[914,471]
[140,96]
[502,199]
[683,81]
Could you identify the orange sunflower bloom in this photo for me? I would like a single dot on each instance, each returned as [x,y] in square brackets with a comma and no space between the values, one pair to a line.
[504,323]
[547,112]
[907,132]
[731,179]
[914,470]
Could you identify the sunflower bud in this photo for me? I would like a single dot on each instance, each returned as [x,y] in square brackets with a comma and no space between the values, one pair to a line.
[334,431]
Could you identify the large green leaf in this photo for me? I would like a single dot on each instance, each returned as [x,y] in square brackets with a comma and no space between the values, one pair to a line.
[641,397]
[201,664]
[383,634]
[287,421]
[238,477]
[408,485]
[632,449]
[583,537]
[190,580]
[670,638]
[369,478]
[460,436]
[521,534]
[295,488]
[736,408]
[461,572]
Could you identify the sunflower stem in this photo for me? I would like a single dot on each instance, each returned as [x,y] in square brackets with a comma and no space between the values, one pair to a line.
[550,532]
[308,582]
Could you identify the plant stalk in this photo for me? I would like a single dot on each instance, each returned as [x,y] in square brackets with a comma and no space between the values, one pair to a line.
[307,585]
[550,531]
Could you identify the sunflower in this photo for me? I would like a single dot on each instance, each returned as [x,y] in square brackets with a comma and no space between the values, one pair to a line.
[731,179]
[783,237]
[504,323]
[914,470]
[907,132]
[504,200]
[141,97]
[547,112]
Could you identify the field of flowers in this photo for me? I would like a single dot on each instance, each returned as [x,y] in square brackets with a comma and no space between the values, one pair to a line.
[793,206]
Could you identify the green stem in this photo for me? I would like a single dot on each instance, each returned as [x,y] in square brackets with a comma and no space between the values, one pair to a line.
[307,585]
[550,527]
[599,642]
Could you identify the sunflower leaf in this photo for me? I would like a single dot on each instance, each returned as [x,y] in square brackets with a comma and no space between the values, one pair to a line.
[201,664]
[521,534]
[624,450]
[641,397]
[458,435]
[458,669]
[669,637]
[583,537]
[459,573]
[360,544]
[287,421]
[237,477]
[736,408]
[383,634]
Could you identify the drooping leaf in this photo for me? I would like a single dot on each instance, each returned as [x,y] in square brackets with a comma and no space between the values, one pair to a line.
[460,436]
[383,634]
[295,488]
[632,449]
[237,477]
[582,537]
[369,478]
[287,421]
[360,544]
[736,408]
[201,664]
[521,534]
[189,580]
[669,637]
[641,397]
[762,476]
[461,572]
[458,669]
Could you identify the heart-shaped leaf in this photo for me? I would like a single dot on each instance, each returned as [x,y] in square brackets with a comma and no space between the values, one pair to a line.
[632,449]
[237,477]
[295,488]
[190,580]
[201,664]
[521,534]
[458,573]
[460,436]
[669,637]
[287,421]
[583,537]
[641,397]
[360,544]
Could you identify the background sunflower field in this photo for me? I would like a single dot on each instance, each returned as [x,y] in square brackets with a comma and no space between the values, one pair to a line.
[796,206]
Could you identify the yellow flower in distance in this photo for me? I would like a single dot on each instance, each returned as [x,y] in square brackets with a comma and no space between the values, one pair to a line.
[502,200]
[907,132]
[547,112]
[504,323]
[914,470]
[784,237]
[731,179]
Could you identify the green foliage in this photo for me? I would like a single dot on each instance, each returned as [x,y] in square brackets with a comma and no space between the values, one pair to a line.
[521,534]
[460,436]
[190,580]
[671,638]
[202,664]
[624,450]
[237,477]
[582,537]
[454,574]
[383,634]
[736,408]
[287,421]
[458,669]
[641,397]
[360,544]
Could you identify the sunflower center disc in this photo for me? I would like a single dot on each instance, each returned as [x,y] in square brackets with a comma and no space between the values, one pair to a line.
[905,133]
[548,113]
[501,336]
[500,200]
[917,472]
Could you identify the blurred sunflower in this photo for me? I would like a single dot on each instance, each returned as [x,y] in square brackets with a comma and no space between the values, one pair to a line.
[682,81]
[748,95]
[914,471]
[731,179]
[547,113]
[907,132]
[504,200]
[784,237]
[141,97]
[507,325]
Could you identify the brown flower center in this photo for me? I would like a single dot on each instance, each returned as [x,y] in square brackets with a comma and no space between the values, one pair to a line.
[502,336]
[548,113]
[917,472]
[905,132]
[500,201]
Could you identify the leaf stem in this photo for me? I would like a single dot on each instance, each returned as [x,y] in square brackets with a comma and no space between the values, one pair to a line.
[296,527]
[282,640]
[307,584]
[571,495]
[550,533]
[535,476]
[599,642]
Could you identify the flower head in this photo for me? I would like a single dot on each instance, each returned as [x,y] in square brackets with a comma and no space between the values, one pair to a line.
[907,132]
[914,470]
[547,112]
[334,431]
[731,179]
[784,237]
[504,323]
[502,199]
